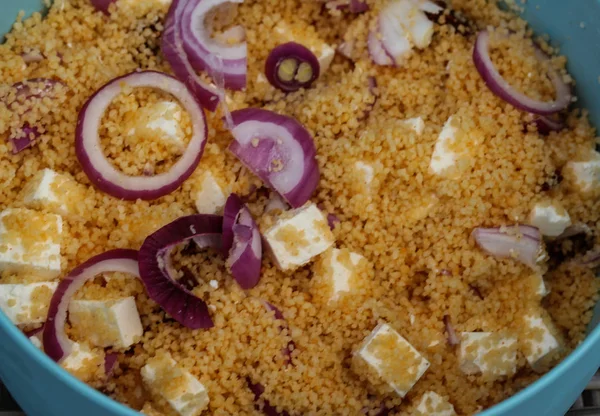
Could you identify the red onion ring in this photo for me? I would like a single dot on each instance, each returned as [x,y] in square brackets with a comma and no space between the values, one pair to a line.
[279,150]
[521,242]
[174,53]
[157,274]
[376,50]
[102,5]
[25,138]
[300,57]
[546,125]
[103,174]
[231,212]
[501,88]
[56,343]
[201,48]
[244,260]
[110,363]
[264,405]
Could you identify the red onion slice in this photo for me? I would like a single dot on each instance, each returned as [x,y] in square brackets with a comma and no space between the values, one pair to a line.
[32,57]
[201,47]
[110,363]
[245,256]
[292,66]
[56,343]
[287,351]
[353,6]
[332,221]
[25,138]
[500,87]
[102,5]
[376,50]
[263,404]
[174,53]
[277,149]
[157,274]
[452,337]
[521,242]
[546,125]
[103,174]
[231,212]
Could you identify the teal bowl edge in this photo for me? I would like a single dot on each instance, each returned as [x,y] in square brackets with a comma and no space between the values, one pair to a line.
[574,34]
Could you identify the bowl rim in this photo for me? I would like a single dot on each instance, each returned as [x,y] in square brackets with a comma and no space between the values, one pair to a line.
[79,387]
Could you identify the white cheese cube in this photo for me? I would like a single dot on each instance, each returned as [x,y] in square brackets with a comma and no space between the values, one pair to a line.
[550,217]
[416,124]
[432,404]
[53,192]
[186,395]
[366,173]
[336,273]
[110,323]
[539,339]
[391,358]
[443,157]
[210,197]
[298,236]
[490,354]
[30,242]
[163,119]
[286,32]
[413,20]
[583,176]
[26,304]
[35,340]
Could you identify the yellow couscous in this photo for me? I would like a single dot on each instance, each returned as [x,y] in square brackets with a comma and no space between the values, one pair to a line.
[398,310]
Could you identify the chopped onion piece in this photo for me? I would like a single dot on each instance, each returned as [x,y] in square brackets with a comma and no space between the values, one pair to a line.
[277,149]
[99,169]
[263,404]
[158,276]
[500,87]
[292,66]
[376,50]
[452,337]
[520,242]
[546,125]
[110,363]
[102,5]
[56,343]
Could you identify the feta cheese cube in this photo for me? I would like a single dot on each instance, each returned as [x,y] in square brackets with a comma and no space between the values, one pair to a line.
[286,32]
[550,217]
[337,272]
[536,282]
[163,119]
[407,15]
[365,172]
[583,176]
[210,197]
[298,236]
[416,124]
[27,303]
[432,404]
[186,395]
[443,156]
[110,323]
[53,192]
[539,339]
[30,242]
[491,354]
[390,361]
[82,362]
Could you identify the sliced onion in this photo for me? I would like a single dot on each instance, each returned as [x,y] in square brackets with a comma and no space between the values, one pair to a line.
[263,404]
[174,53]
[98,168]
[56,343]
[277,149]
[102,5]
[291,346]
[500,87]
[292,66]
[521,242]
[376,50]
[452,337]
[333,221]
[201,48]
[24,139]
[242,236]
[546,125]
[110,363]
[353,6]
[158,276]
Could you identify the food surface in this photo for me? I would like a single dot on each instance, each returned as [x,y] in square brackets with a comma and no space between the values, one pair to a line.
[291,207]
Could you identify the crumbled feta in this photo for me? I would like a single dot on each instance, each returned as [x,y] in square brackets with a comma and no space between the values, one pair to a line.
[30,242]
[286,32]
[539,339]
[583,176]
[26,303]
[110,323]
[443,157]
[538,285]
[210,198]
[337,272]
[82,362]
[298,236]
[53,192]
[491,354]
[214,284]
[423,207]
[407,15]
[366,172]
[390,357]
[432,404]
[186,395]
[162,118]
[550,217]
[416,124]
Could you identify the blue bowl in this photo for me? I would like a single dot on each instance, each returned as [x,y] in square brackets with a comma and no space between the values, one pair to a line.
[43,388]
